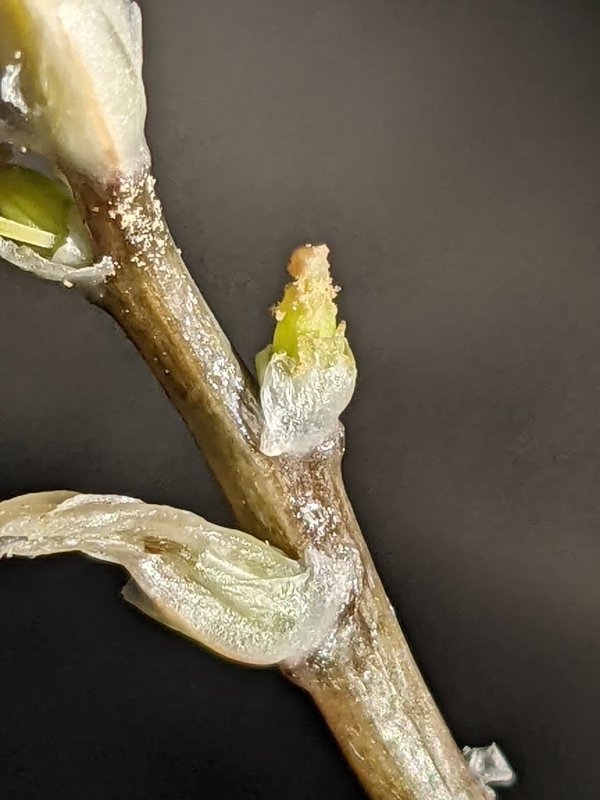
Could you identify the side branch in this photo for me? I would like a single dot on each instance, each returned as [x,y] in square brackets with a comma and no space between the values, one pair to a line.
[363,678]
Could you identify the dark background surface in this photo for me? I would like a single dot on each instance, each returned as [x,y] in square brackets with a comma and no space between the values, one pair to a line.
[448,153]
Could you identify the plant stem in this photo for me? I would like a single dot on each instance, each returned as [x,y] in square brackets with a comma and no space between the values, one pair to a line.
[363,678]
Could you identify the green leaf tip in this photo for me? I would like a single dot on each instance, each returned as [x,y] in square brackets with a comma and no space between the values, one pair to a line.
[34,209]
[308,305]
[306,316]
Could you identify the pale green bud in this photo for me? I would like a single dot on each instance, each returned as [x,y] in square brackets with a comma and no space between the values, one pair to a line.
[307,375]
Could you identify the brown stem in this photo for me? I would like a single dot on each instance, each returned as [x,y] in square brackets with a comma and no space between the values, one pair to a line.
[363,678]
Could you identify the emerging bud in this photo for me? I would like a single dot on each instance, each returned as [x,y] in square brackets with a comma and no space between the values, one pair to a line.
[307,376]
[491,767]
[72,75]
[40,227]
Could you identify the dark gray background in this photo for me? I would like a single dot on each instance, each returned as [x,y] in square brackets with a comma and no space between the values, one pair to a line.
[448,153]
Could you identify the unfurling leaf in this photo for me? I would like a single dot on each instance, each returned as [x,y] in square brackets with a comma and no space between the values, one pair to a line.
[227,590]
